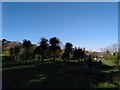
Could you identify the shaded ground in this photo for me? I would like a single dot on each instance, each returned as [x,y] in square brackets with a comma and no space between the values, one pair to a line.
[59,75]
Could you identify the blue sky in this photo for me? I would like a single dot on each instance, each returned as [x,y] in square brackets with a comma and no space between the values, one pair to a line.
[85,24]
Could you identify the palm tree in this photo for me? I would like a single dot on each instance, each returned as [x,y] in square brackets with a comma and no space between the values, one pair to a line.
[3,42]
[54,46]
[75,54]
[43,47]
[26,44]
[68,50]
[79,54]
[17,52]
[11,50]
[36,52]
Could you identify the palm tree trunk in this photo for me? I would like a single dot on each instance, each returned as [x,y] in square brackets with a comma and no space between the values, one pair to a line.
[15,58]
[42,59]
[54,55]
[25,54]
[68,57]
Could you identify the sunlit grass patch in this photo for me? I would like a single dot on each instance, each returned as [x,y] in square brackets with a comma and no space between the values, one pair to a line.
[110,70]
[108,62]
[37,80]
[105,85]
[48,62]
[18,67]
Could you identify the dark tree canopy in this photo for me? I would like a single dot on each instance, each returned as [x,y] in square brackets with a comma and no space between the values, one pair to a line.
[26,43]
[54,46]
[54,41]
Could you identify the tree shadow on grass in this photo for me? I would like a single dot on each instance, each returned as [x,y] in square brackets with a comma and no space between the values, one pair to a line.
[56,75]
[104,74]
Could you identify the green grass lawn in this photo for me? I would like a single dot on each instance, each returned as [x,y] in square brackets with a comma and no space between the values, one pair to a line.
[59,75]
[105,85]
[109,62]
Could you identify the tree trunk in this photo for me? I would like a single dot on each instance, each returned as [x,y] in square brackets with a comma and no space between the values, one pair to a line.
[42,59]
[54,54]
[68,57]
[25,54]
